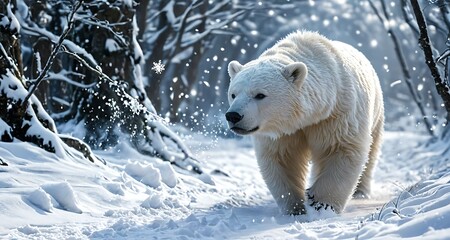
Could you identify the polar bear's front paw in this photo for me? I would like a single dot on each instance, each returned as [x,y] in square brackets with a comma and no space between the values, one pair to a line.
[318,205]
[295,209]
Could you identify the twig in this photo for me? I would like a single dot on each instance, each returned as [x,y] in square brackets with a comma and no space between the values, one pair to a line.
[96,70]
[181,29]
[107,26]
[445,16]
[446,71]
[444,12]
[444,57]
[424,41]
[408,18]
[55,51]
[59,77]
[3,163]
[10,61]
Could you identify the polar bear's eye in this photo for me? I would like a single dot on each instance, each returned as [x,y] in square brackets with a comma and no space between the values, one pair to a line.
[233,96]
[260,96]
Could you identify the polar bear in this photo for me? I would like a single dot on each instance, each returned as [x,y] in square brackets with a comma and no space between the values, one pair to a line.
[306,100]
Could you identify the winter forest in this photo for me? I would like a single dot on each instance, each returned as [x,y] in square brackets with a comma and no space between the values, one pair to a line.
[112,119]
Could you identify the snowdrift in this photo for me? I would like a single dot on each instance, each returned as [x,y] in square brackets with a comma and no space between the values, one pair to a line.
[135,197]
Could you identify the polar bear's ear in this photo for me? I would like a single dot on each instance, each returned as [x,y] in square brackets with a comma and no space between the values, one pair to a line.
[233,68]
[295,73]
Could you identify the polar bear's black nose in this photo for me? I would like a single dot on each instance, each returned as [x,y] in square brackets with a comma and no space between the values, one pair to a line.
[233,117]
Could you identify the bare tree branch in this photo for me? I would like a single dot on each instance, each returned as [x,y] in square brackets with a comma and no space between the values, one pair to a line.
[424,41]
[408,18]
[404,66]
[9,59]
[55,51]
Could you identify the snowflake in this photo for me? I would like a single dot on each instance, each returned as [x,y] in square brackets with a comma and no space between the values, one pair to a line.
[158,67]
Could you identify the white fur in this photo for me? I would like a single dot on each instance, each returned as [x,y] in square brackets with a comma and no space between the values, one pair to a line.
[323,104]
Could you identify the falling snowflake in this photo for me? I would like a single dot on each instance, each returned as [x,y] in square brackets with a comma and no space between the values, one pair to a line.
[158,67]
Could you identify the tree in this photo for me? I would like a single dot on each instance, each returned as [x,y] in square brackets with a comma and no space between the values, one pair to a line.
[22,116]
[98,76]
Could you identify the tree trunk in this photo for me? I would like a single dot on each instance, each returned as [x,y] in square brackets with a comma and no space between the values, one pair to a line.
[16,118]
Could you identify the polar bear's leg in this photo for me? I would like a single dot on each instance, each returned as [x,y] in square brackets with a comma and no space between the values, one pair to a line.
[364,186]
[284,169]
[337,178]
[287,186]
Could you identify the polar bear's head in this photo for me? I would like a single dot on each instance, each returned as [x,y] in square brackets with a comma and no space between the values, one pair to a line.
[264,97]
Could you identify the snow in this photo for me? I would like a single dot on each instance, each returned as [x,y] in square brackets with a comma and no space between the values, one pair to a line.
[111,45]
[4,21]
[49,138]
[44,196]
[8,85]
[41,199]
[14,24]
[63,196]
[154,201]
[146,174]
[4,128]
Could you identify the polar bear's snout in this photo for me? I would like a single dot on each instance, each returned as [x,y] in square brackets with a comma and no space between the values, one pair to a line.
[237,124]
[233,117]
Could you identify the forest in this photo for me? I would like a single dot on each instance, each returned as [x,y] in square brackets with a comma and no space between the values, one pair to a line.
[113,112]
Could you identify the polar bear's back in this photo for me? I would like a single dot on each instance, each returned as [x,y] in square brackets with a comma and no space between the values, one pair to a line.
[335,66]
[355,63]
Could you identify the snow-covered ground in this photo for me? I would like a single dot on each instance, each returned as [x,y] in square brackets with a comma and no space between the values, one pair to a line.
[138,197]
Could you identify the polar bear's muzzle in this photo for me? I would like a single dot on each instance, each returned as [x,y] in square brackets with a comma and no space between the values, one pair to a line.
[233,119]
